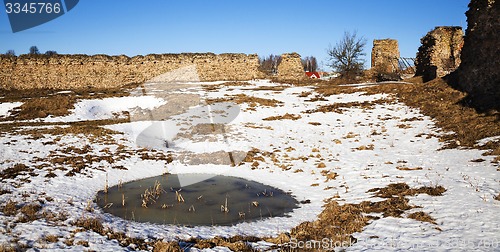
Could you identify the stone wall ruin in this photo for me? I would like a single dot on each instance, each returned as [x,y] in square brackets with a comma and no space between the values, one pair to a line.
[439,53]
[478,74]
[102,71]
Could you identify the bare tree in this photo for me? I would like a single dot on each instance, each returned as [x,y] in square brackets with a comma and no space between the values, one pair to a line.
[269,65]
[310,64]
[346,55]
[34,50]
[10,53]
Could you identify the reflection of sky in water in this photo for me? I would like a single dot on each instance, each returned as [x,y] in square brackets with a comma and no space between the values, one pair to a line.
[246,201]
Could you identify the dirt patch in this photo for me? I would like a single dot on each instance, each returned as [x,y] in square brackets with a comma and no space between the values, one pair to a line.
[283,117]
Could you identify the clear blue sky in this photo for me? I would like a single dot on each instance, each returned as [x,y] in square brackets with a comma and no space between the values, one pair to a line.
[133,27]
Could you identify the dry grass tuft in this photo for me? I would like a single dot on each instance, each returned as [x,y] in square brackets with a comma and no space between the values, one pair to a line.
[9,248]
[335,222]
[304,94]
[283,117]
[93,224]
[250,100]
[256,155]
[402,189]
[41,107]
[392,207]
[51,238]
[14,171]
[422,216]
[315,123]
[497,197]
[340,107]
[365,147]
[30,212]
[161,246]
[235,243]
[404,168]
[10,208]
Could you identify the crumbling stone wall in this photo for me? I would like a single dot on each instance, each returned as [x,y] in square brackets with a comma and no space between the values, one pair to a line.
[479,72]
[439,53]
[102,71]
[290,67]
[385,56]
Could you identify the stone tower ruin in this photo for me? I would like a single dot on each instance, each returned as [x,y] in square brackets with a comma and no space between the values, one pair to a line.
[290,67]
[439,53]
[385,55]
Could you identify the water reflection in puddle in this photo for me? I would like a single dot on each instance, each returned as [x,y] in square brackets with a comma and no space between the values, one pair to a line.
[218,200]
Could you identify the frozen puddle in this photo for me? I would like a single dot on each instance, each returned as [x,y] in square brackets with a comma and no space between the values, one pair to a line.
[216,201]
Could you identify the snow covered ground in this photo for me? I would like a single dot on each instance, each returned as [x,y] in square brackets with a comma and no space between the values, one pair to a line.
[366,146]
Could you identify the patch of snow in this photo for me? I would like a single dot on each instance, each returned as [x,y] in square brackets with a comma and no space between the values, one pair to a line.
[107,108]
[466,213]
[6,107]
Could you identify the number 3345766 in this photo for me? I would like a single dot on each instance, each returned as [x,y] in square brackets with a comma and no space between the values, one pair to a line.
[33,8]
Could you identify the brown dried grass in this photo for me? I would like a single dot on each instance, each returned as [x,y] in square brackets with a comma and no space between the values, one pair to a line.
[338,222]
[14,171]
[422,216]
[402,189]
[283,117]
[30,212]
[440,101]
[10,208]
[161,246]
[250,100]
[447,107]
